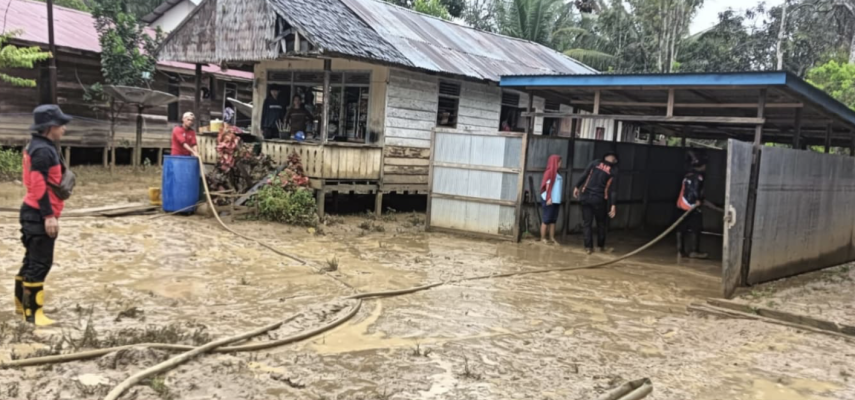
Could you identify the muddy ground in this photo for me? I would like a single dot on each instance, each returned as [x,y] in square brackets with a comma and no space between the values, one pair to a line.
[554,336]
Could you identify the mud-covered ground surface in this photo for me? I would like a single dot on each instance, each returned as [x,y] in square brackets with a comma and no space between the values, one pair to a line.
[827,294]
[552,336]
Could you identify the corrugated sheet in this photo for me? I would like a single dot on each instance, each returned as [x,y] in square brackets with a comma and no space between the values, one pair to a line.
[804,215]
[329,25]
[441,46]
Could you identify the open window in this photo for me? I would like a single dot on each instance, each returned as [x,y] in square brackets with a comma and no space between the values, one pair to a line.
[510,118]
[348,102]
[449,104]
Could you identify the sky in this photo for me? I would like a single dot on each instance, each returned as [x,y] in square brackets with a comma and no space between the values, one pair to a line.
[708,14]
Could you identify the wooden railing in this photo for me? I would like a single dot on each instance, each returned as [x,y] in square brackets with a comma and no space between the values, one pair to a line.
[332,161]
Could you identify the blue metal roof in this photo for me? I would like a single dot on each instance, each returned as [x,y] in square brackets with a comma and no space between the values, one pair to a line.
[778,79]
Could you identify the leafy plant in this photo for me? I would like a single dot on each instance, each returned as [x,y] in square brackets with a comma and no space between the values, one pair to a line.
[836,79]
[18,57]
[10,163]
[274,203]
[432,7]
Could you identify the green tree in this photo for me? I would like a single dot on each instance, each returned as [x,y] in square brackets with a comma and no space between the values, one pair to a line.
[18,57]
[728,46]
[127,55]
[480,14]
[79,5]
[432,7]
[836,79]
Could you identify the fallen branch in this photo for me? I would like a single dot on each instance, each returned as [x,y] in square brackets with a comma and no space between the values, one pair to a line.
[728,313]
[786,316]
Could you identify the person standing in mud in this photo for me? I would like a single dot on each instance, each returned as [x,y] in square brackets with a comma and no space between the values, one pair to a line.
[551,187]
[596,189]
[43,203]
[692,195]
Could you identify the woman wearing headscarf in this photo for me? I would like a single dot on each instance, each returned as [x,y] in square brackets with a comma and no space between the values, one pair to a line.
[550,191]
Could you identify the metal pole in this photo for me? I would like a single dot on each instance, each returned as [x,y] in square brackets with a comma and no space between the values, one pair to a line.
[197,99]
[326,114]
[529,129]
[52,59]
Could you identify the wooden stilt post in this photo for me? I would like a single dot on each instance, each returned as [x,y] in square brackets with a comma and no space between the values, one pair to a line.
[568,183]
[646,200]
[105,156]
[378,203]
[321,199]
[197,96]
[68,155]
[326,113]
[160,157]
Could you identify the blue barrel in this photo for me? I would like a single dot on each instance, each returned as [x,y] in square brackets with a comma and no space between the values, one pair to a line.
[180,186]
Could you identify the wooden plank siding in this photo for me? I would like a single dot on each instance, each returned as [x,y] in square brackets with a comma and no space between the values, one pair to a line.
[91,127]
[411,104]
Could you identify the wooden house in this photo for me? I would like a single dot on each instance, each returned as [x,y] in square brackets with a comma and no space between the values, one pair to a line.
[379,78]
[79,65]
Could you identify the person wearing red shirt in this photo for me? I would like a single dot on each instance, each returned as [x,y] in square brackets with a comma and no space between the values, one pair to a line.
[184,137]
[39,217]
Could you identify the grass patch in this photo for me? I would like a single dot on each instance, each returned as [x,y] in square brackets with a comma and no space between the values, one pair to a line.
[297,207]
[10,164]
[332,265]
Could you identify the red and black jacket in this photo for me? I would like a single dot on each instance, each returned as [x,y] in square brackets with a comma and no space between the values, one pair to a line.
[692,191]
[599,182]
[41,166]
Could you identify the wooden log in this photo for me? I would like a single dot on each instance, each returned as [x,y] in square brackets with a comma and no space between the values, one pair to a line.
[786,316]
[378,203]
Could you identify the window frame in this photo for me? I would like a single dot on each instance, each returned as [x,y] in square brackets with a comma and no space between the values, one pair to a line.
[456,99]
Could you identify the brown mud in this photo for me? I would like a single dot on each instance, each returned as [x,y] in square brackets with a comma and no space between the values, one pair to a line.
[553,336]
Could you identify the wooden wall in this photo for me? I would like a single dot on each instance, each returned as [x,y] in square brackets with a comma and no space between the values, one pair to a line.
[91,128]
[411,104]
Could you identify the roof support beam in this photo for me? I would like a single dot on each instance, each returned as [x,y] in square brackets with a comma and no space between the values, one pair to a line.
[686,105]
[670,111]
[596,102]
[797,134]
[653,118]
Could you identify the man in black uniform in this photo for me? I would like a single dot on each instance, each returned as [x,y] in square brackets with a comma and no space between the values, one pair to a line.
[692,195]
[597,188]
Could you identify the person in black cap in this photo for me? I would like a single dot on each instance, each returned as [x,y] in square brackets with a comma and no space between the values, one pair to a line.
[272,113]
[42,175]
[596,189]
[692,195]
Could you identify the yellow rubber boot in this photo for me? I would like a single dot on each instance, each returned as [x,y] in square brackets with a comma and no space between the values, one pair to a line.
[34,301]
[19,294]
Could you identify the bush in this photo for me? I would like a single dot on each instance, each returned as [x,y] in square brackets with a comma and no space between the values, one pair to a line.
[296,207]
[10,164]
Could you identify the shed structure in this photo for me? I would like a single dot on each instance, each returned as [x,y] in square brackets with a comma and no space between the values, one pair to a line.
[788,209]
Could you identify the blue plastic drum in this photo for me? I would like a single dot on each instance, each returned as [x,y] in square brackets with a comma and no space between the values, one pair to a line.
[180,186]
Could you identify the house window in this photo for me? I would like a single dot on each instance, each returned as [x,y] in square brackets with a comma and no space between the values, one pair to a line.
[348,101]
[449,104]
[511,113]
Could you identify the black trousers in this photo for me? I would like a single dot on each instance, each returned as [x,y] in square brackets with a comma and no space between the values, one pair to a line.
[38,258]
[594,210]
[271,133]
[691,231]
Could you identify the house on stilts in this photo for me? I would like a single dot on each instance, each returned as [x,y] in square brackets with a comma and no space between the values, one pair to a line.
[378,78]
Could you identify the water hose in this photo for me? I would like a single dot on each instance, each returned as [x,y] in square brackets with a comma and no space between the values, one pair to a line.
[216,346]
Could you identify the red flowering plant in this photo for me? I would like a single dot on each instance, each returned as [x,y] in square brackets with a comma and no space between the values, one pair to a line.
[291,178]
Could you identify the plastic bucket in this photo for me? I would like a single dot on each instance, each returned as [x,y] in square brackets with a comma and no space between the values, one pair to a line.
[180,186]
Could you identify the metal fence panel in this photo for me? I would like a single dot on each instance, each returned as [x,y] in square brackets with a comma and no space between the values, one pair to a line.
[805,216]
[739,155]
[475,182]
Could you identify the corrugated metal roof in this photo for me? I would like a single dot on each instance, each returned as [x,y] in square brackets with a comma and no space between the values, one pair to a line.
[329,25]
[436,45]
[74,30]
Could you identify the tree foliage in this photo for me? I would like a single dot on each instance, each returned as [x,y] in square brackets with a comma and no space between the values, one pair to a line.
[836,79]
[534,20]
[18,57]
[79,5]
[432,7]
[127,50]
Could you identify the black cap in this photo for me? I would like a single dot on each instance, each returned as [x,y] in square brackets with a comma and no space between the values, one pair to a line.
[48,115]
[611,153]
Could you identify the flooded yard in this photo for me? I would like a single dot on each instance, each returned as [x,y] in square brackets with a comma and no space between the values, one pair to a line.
[570,335]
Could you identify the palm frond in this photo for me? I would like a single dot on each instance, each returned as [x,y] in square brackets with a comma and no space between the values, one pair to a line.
[596,59]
